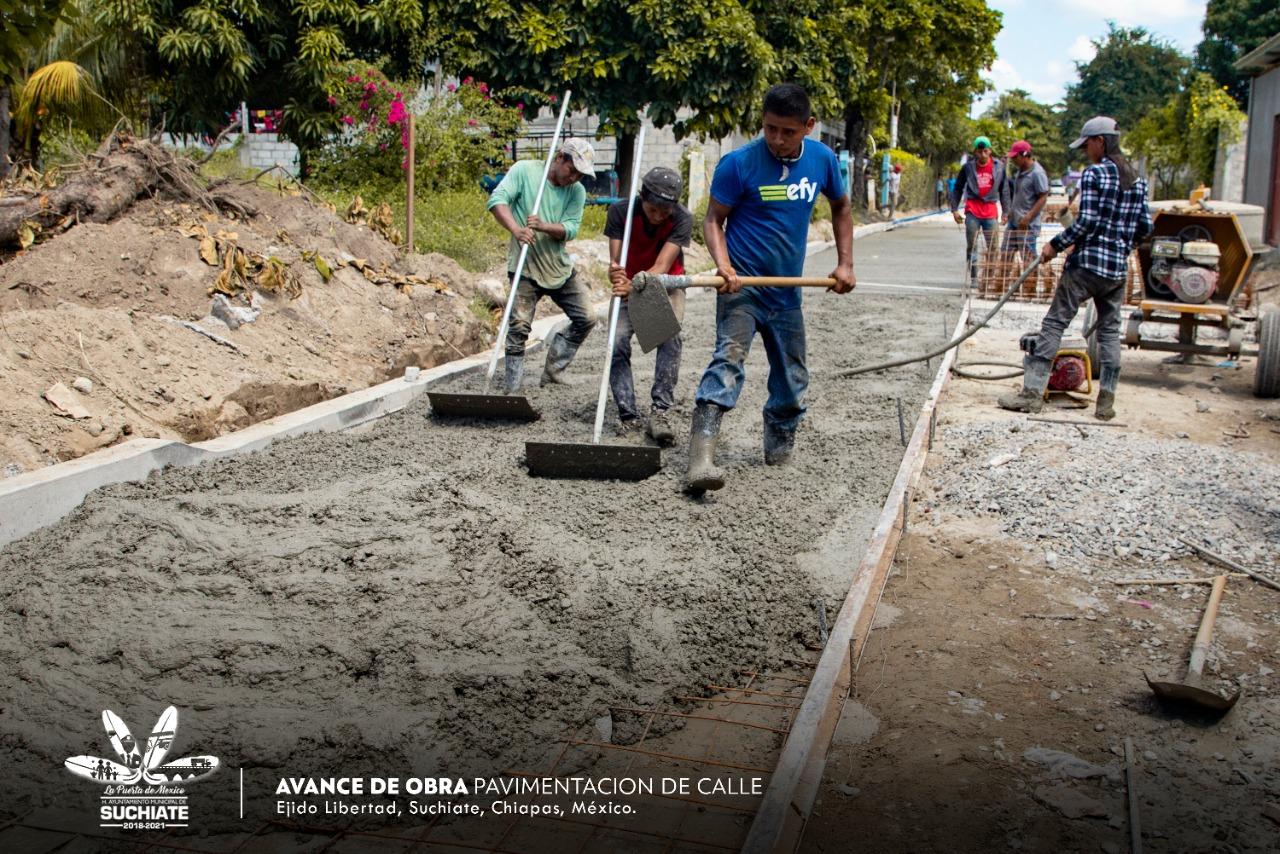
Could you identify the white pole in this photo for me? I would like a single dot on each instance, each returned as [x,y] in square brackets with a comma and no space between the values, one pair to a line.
[500,344]
[615,304]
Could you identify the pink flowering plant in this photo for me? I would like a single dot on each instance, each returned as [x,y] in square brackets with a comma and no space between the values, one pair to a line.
[462,132]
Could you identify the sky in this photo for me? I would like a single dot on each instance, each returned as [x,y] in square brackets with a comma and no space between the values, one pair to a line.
[1043,39]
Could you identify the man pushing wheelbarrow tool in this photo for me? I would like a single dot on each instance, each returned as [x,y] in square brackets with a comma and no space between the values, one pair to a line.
[661,230]
[765,191]
[1113,217]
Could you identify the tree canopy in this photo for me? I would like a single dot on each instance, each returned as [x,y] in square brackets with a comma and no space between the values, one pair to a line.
[1132,73]
[1014,116]
[1232,28]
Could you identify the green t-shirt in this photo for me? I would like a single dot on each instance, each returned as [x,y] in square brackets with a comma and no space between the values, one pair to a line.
[548,263]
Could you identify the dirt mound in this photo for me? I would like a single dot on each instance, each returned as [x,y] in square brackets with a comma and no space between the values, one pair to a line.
[106,302]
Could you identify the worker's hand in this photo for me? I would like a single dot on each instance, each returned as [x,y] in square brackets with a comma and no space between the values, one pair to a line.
[1048,253]
[618,278]
[732,284]
[1004,220]
[958,217]
[532,222]
[845,280]
[525,236]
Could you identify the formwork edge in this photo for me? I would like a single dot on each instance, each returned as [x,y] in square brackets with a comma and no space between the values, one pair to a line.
[789,797]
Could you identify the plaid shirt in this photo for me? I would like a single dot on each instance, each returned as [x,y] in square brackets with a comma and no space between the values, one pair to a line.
[1111,221]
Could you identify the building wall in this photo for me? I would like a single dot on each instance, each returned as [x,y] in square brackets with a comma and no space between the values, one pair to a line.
[1228,170]
[1264,106]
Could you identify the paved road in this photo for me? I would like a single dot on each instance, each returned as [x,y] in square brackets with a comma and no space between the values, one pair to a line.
[923,254]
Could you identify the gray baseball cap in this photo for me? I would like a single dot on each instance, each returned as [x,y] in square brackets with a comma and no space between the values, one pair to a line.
[663,183]
[1097,126]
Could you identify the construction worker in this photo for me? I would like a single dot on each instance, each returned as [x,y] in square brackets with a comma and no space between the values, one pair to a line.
[765,191]
[661,228]
[547,272]
[1113,217]
[978,186]
[1023,195]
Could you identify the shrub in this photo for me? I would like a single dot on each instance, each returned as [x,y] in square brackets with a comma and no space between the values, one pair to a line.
[917,186]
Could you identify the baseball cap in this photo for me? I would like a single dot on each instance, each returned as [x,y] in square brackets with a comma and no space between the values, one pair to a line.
[1096,126]
[1019,148]
[663,184]
[582,155]
[981,142]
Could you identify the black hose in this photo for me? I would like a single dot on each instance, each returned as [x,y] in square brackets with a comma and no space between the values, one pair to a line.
[958,370]
[969,333]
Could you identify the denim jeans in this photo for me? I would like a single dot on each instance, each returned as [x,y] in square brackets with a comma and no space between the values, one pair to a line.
[738,318]
[1076,286]
[574,300]
[971,226]
[1021,240]
[666,369]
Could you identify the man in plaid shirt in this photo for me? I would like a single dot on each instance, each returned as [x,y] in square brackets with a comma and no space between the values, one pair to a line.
[1113,217]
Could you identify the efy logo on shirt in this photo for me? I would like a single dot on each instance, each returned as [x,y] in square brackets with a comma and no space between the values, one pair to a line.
[142,791]
[803,190]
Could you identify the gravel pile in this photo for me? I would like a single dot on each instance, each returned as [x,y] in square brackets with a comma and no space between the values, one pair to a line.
[1113,505]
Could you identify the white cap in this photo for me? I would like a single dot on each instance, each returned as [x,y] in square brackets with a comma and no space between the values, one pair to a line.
[582,155]
[1097,126]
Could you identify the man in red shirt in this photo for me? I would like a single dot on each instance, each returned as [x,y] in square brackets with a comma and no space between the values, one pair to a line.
[978,185]
[660,230]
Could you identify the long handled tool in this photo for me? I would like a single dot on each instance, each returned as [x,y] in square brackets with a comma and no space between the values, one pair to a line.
[653,318]
[512,407]
[617,462]
[1190,689]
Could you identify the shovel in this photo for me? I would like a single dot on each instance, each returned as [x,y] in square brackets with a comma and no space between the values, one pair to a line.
[649,305]
[1189,690]
[509,407]
[596,461]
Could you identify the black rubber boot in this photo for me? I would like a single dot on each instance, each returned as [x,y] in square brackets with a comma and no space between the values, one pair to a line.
[559,354]
[1034,380]
[513,367]
[704,433]
[1106,408]
[778,445]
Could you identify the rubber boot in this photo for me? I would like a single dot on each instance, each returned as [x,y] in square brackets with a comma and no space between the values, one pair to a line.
[559,354]
[1106,408]
[1034,379]
[659,429]
[704,433]
[778,445]
[513,375]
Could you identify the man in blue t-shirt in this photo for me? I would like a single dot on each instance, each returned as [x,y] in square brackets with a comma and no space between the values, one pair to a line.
[765,191]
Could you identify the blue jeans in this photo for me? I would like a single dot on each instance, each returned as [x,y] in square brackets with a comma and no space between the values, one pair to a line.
[971,226]
[666,369]
[738,318]
[1022,240]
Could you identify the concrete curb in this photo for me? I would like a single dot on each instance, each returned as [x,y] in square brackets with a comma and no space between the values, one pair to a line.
[34,499]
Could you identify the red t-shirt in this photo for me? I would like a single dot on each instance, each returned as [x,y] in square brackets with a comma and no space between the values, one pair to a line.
[977,207]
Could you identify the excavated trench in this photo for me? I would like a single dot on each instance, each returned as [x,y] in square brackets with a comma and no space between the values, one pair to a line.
[406,600]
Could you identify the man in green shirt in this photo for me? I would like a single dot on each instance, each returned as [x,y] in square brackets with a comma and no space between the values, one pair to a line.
[548,271]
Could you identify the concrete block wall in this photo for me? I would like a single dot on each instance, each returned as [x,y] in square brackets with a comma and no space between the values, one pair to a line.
[263,150]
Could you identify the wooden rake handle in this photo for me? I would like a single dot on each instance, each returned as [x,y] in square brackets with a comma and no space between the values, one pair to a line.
[1200,649]
[760,281]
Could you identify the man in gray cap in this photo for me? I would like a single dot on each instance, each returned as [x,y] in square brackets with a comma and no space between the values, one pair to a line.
[1113,218]
[661,228]
[548,272]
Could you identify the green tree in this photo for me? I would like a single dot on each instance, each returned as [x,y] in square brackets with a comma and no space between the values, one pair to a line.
[1016,115]
[1179,139]
[696,66]
[1132,73]
[935,52]
[205,55]
[1232,28]
[24,27]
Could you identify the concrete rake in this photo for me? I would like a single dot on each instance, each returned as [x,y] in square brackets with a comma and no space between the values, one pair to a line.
[508,407]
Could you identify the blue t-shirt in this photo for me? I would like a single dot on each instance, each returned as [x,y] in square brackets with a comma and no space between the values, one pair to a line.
[772,202]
